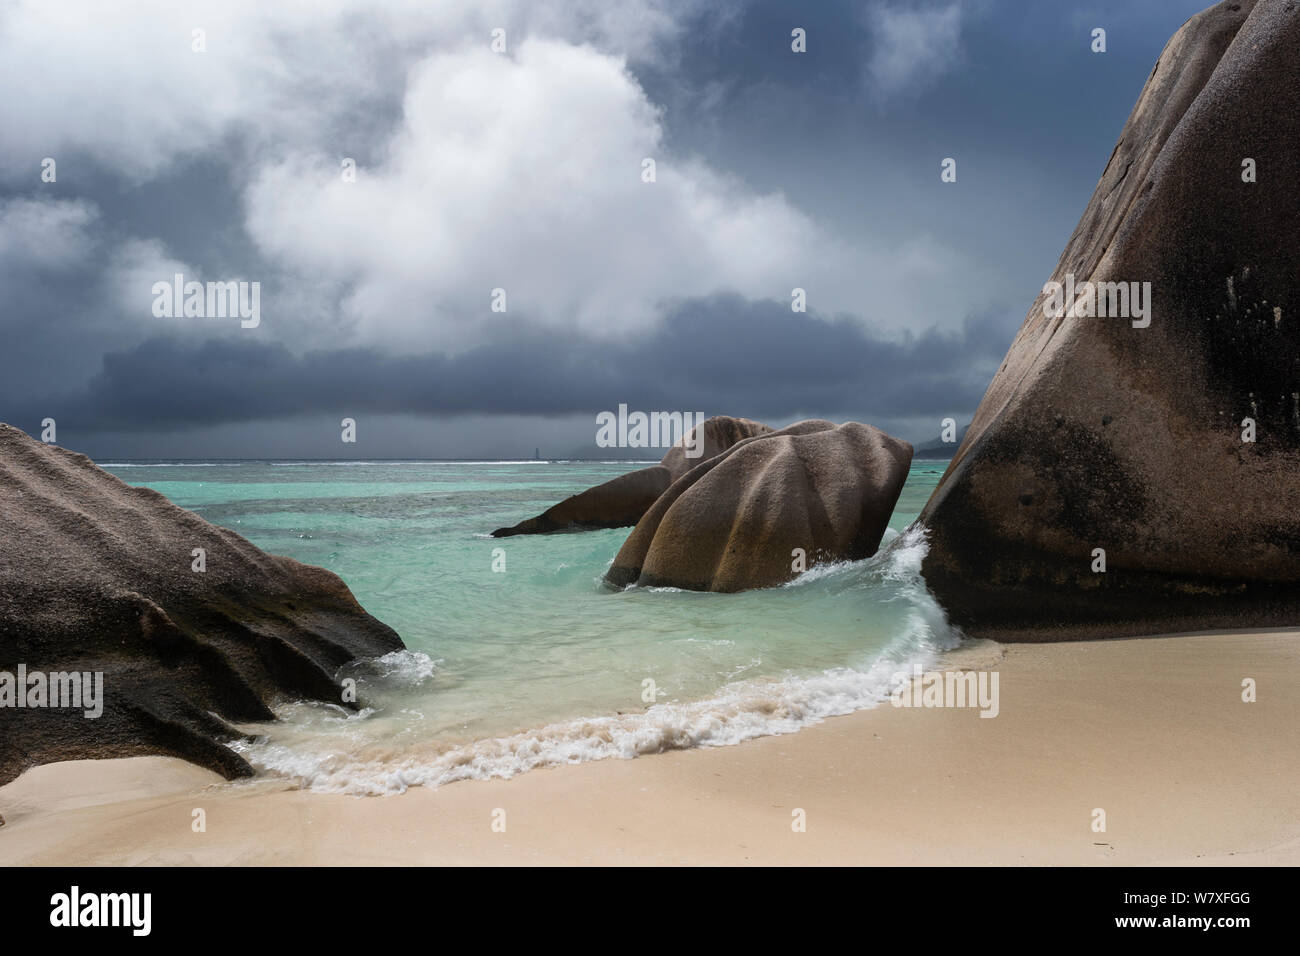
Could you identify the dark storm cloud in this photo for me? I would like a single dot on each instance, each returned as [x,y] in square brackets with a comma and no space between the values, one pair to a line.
[719,355]
[1028,110]
[1030,113]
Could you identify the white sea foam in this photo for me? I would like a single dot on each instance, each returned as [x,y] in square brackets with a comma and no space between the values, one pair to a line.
[740,710]
[405,668]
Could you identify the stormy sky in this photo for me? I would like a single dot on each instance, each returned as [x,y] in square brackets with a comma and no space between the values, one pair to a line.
[220,155]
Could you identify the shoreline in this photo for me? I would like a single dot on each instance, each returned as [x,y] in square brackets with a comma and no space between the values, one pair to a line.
[1151,730]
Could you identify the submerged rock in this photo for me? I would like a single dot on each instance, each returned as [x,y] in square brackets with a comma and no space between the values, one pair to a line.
[735,521]
[1117,442]
[98,577]
[620,502]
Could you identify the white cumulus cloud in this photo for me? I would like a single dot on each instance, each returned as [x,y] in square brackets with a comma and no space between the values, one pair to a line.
[476,170]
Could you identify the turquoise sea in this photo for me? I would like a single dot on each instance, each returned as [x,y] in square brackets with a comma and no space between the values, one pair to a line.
[541,663]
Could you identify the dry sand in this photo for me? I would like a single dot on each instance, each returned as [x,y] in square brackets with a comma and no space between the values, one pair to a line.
[1152,730]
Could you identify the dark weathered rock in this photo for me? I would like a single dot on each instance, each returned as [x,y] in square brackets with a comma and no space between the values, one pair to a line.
[96,575]
[734,521]
[616,503]
[620,502]
[1098,435]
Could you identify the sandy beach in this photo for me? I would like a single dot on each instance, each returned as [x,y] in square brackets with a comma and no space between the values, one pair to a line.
[1152,730]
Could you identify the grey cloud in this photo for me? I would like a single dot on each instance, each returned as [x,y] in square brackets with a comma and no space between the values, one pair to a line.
[717,355]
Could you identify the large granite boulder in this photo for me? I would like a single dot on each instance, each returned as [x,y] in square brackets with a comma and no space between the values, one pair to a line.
[98,576]
[1125,435]
[620,502]
[734,521]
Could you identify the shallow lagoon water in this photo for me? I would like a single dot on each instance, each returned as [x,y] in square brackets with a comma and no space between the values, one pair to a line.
[542,663]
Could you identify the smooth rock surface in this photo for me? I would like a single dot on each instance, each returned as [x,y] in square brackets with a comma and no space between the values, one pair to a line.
[1095,434]
[733,522]
[620,502]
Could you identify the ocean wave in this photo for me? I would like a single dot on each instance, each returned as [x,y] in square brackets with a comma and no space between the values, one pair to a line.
[404,668]
[740,710]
